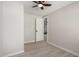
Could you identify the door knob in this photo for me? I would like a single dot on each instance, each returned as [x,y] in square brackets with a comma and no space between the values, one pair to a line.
[36,31]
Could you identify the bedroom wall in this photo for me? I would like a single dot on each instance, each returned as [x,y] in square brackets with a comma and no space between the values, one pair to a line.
[29,27]
[63,28]
[12,28]
[1,48]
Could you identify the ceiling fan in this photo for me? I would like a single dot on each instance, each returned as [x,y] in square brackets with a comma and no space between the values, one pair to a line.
[41,4]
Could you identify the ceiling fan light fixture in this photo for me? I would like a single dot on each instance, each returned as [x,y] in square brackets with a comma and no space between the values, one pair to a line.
[40,5]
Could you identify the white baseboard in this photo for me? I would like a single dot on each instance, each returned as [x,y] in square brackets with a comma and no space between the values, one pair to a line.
[32,41]
[67,50]
[28,42]
[12,54]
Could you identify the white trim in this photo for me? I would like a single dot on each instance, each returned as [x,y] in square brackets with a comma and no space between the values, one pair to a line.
[28,41]
[12,54]
[67,50]
[32,41]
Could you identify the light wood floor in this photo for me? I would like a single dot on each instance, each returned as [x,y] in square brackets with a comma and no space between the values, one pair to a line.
[43,49]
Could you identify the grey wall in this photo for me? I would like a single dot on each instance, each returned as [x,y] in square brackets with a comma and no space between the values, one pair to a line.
[1,48]
[63,27]
[11,28]
[29,28]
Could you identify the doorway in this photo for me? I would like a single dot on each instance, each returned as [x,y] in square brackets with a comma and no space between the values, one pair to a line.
[45,29]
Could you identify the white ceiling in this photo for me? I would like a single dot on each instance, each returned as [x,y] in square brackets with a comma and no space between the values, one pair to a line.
[37,11]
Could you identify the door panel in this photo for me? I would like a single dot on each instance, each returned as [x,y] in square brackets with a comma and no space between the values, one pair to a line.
[39,29]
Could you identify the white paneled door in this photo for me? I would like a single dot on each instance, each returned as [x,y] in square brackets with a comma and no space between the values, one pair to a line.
[39,29]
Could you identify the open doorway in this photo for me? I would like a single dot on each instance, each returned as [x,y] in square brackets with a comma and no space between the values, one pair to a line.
[45,29]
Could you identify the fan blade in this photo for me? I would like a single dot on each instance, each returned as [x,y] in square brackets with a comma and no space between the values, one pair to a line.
[40,2]
[35,1]
[47,4]
[35,6]
[42,8]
